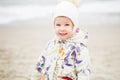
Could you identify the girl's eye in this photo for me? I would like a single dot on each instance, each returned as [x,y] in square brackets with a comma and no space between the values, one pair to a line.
[66,24]
[58,25]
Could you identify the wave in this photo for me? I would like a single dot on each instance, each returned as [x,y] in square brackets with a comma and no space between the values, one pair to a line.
[12,13]
[22,12]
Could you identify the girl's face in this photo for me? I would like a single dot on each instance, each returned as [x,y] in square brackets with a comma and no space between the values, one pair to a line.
[63,27]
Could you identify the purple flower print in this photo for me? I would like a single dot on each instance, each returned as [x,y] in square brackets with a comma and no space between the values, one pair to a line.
[48,68]
[77,30]
[71,47]
[78,61]
[66,62]
[43,61]
[38,67]
[73,54]
[78,49]
[40,64]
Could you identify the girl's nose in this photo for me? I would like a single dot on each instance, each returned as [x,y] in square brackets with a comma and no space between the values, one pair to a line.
[62,28]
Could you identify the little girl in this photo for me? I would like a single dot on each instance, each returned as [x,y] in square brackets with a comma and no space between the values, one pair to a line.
[66,56]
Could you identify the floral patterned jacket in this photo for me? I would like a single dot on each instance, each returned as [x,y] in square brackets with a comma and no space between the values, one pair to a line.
[68,58]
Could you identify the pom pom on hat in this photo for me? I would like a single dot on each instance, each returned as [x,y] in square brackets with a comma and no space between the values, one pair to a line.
[68,9]
[75,2]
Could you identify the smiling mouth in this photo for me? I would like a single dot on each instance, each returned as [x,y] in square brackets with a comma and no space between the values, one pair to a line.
[62,34]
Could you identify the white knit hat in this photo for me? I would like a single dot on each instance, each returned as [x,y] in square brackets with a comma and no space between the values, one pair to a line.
[69,10]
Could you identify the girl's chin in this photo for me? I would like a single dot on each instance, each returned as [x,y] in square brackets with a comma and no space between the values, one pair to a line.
[62,38]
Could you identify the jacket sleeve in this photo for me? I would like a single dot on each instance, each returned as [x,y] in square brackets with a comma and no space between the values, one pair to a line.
[40,67]
[83,68]
[83,65]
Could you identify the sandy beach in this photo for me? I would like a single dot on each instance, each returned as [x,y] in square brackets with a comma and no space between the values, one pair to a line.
[22,42]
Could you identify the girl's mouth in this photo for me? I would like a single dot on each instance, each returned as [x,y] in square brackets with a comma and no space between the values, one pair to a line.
[62,34]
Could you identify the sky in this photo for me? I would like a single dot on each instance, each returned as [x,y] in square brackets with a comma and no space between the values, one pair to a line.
[37,2]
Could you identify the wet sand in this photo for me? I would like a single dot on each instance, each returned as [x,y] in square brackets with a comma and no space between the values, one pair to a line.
[21,44]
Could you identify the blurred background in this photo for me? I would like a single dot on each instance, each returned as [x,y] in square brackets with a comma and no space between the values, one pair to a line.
[26,26]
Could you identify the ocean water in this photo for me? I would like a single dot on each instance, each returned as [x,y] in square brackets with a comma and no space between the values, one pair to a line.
[21,12]
[102,11]
[27,2]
